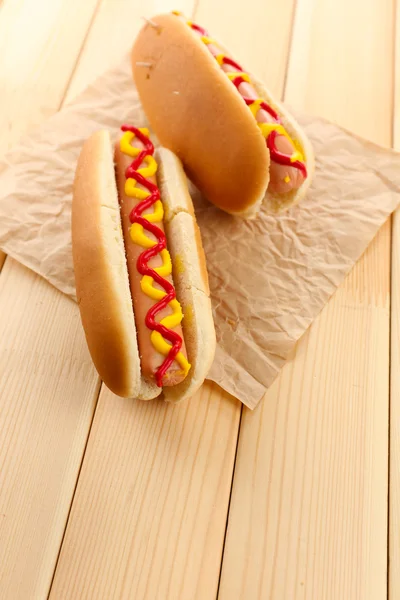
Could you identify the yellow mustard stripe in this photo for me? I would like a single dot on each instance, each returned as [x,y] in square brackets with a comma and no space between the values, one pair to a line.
[235,74]
[157,215]
[163,348]
[134,192]
[266,128]
[151,168]
[125,143]
[166,268]
[207,40]
[139,237]
[170,321]
[147,287]
[255,106]
[297,155]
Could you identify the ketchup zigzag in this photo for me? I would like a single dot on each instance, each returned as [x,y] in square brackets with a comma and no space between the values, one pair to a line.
[276,155]
[136,216]
[269,130]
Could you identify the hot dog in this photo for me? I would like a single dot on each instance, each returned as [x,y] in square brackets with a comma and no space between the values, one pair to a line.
[143,184]
[237,143]
[140,273]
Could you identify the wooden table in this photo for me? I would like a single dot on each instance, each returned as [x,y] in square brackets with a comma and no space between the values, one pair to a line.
[102,498]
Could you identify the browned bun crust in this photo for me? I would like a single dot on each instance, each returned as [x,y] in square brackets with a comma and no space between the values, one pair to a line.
[190,274]
[101,276]
[102,281]
[222,161]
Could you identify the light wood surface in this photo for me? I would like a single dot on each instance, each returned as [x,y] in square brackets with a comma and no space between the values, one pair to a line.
[103,498]
[166,507]
[48,385]
[141,556]
[394,433]
[40,42]
[148,520]
[394,489]
[308,515]
[112,33]
[48,397]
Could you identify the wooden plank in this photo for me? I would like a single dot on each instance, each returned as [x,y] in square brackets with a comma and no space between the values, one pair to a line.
[149,515]
[308,516]
[48,389]
[396,111]
[148,518]
[245,29]
[21,538]
[37,61]
[394,487]
[40,42]
[48,394]
[113,35]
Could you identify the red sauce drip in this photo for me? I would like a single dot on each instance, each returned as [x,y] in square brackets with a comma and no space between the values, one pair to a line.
[199,29]
[237,81]
[142,262]
[276,155]
[232,63]
[281,158]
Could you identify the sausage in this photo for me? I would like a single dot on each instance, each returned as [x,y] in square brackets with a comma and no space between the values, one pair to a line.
[150,358]
[283,179]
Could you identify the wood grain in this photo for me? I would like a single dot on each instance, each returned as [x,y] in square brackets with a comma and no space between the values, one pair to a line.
[149,515]
[148,518]
[48,388]
[250,30]
[394,489]
[112,36]
[177,477]
[308,515]
[40,42]
[331,68]
[394,465]
[396,95]
[37,61]
[48,393]
[35,528]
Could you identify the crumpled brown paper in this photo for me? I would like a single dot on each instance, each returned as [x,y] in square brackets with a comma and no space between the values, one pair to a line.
[269,278]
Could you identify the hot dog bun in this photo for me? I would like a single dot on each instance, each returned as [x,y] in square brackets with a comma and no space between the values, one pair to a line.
[196,112]
[102,281]
[190,275]
[274,202]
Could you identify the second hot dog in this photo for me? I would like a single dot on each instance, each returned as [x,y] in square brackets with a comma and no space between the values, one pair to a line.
[283,177]
[240,146]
